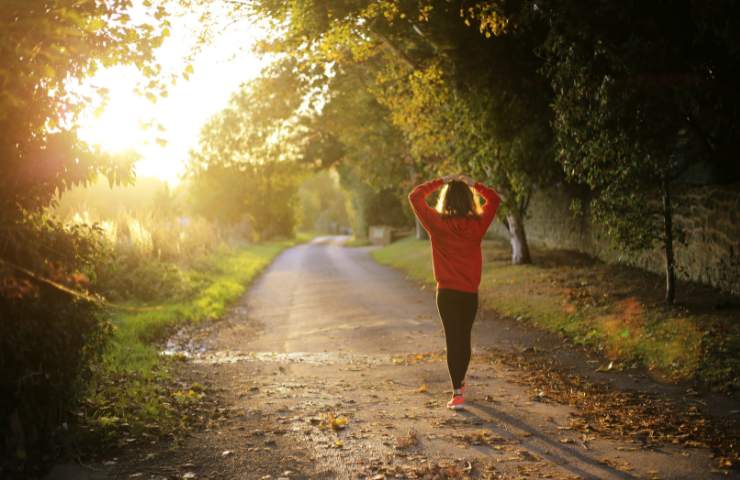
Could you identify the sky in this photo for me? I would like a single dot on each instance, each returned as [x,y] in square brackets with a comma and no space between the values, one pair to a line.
[219,67]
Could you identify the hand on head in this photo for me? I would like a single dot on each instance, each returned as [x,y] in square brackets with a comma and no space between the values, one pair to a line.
[460,177]
[464,178]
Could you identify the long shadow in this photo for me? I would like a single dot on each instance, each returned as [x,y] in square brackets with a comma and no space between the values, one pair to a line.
[562,459]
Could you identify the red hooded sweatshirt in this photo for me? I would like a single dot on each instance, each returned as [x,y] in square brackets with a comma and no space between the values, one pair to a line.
[456,241]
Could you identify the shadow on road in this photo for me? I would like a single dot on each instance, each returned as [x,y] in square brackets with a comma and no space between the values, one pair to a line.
[566,457]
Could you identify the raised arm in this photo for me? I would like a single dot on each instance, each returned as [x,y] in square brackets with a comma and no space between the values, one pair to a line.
[492,203]
[417,198]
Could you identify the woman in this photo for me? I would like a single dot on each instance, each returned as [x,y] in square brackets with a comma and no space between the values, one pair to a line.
[456,229]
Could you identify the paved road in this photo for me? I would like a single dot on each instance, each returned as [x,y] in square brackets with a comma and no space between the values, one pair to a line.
[324,333]
[323,297]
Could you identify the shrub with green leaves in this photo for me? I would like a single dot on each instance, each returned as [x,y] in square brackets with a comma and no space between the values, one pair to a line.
[48,336]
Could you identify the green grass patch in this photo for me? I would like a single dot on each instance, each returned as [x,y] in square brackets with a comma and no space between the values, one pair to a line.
[413,257]
[132,388]
[613,309]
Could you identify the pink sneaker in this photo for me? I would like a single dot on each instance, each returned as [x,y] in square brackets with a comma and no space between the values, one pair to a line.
[457,402]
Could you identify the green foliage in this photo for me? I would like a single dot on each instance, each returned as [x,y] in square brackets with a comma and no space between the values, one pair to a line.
[385,208]
[131,276]
[453,97]
[48,339]
[130,391]
[143,256]
[474,104]
[323,203]
[375,164]
[51,340]
[48,347]
[628,124]
[245,167]
[372,146]
[218,192]
[47,45]
[264,195]
[374,205]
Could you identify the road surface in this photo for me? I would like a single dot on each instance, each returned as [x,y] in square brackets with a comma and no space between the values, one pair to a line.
[333,366]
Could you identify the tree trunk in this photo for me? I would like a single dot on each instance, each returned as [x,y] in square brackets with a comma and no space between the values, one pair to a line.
[670,262]
[519,246]
[421,234]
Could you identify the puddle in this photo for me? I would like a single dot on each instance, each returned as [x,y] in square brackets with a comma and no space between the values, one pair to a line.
[185,343]
[195,349]
[308,358]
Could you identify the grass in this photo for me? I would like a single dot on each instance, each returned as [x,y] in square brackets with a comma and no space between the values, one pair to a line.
[614,309]
[132,389]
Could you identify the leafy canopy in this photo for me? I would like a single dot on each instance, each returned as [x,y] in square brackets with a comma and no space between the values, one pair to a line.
[46,47]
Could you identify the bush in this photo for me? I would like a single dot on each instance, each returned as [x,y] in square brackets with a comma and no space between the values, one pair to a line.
[386,208]
[144,256]
[46,348]
[48,337]
[123,277]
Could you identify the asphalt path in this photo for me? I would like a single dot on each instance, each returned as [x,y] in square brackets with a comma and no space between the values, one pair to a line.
[358,326]
[333,366]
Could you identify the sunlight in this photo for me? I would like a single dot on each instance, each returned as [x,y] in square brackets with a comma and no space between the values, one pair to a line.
[118,126]
[163,132]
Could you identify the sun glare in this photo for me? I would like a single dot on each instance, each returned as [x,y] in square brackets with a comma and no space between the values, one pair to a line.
[119,125]
[165,131]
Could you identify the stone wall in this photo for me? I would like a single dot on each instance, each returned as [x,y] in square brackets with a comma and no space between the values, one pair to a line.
[709,215]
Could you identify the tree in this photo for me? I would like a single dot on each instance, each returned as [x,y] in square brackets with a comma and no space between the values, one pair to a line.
[323,203]
[46,46]
[48,337]
[636,107]
[462,98]
[375,161]
[246,165]
[343,125]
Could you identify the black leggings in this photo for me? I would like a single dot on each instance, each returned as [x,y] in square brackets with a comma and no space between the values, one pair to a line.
[457,310]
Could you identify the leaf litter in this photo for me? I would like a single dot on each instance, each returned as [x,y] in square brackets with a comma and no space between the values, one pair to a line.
[647,419]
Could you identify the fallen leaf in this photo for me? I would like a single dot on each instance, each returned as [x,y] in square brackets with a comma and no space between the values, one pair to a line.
[725,462]
[337,422]
[407,441]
